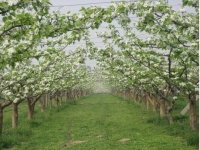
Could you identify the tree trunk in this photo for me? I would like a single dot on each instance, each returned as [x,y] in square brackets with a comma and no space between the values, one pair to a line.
[134,97]
[42,103]
[50,105]
[15,115]
[2,106]
[155,106]
[129,95]
[56,100]
[61,98]
[81,93]
[31,105]
[76,93]
[169,114]
[1,119]
[68,93]
[193,117]
[162,108]
[30,109]
[147,102]
[153,102]
[46,99]
[66,96]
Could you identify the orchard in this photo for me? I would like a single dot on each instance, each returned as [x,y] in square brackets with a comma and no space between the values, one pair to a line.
[158,71]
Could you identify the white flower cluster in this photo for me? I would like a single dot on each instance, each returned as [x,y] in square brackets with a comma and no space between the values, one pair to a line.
[10,2]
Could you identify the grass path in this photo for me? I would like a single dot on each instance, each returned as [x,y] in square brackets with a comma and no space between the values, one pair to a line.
[99,122]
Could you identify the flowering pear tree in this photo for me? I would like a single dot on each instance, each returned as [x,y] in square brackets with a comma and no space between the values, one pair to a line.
[28,31]
[27,27]
[162,67]
[29,81]
[170,54]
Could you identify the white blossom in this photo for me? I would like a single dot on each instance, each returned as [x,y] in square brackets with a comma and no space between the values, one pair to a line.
[10,2]
[16,100]
[11,51]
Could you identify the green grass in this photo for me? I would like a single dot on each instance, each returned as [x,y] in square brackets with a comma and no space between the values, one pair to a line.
[96,122]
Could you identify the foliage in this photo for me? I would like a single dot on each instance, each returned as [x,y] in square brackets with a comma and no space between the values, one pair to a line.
[165,65]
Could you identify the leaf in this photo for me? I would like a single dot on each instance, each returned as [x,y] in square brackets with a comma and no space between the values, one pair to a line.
[34,6]
[12,64]
[47,1]
[3,5]
[46,10]
[37,57]
[5,19]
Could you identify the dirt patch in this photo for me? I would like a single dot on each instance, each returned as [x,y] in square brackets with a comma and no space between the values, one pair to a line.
[124,140]
[77,142]
[99,136]
[73,143]
[93,103]
[82,103]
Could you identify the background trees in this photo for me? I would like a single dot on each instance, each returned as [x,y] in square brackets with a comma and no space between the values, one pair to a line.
[164,66]
[32,57]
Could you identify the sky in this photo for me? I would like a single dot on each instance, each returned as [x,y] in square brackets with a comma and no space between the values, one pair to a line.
[75,5]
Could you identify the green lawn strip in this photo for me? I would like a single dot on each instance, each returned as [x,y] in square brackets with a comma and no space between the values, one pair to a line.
[99,122]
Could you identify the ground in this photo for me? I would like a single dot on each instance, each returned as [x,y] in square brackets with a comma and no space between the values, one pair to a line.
[99,122]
